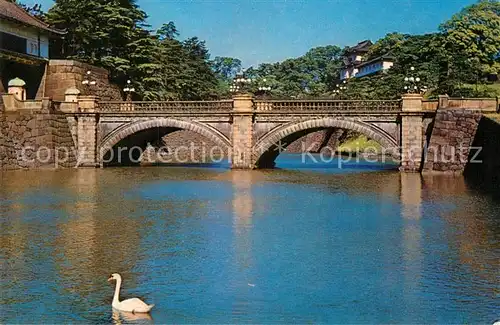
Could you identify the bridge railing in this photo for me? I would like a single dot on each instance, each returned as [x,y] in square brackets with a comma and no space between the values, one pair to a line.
[166,106]
[329,105]
[430,105]
[483,104]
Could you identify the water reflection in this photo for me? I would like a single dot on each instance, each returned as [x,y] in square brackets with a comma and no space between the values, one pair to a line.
[242,182]
[121,317]
[474,229]
[247,247]
[76,242]
[411,212]
[242,200]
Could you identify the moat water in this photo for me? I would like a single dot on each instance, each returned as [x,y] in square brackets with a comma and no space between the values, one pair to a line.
[310,243]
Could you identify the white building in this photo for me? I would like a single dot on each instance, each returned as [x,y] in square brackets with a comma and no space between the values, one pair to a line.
[24,46]
[355,64]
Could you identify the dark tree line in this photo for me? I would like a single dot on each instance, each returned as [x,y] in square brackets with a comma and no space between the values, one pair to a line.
[114,34]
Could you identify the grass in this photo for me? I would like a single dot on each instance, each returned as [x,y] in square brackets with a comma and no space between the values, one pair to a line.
[360,144]
[494,117]
[494,89]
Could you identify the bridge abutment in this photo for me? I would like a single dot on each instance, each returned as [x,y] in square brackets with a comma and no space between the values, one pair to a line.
[242,132]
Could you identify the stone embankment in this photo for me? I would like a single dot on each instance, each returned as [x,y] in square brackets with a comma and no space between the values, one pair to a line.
[61,75]
[316,142]
[486,170]
[35,140]
[451,140]
[183,147]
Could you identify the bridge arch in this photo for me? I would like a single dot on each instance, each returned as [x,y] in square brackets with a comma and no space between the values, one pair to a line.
[134,127]
[266,150]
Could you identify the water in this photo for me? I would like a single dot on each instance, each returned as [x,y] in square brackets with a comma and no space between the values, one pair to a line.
[307,244]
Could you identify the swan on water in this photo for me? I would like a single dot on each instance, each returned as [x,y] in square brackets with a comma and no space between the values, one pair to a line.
[132,305]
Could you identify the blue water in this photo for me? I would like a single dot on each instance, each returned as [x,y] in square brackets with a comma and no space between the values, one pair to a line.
[307,243]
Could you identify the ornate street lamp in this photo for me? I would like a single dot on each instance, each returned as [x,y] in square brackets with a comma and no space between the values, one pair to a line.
[340,89]
[412,83]
[128,90]
[264,89]
[87,82]
[240,84]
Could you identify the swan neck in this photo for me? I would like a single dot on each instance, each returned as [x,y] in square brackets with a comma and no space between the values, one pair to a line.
[117,291]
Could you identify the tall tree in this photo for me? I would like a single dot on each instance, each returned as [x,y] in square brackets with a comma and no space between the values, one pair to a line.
[100,31]
[34,10]
[474,34]
[226,68]
[312,74]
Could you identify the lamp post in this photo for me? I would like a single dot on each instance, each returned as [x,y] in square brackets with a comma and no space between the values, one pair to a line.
[264,88]
[339,89]
[412,83]
[87,82]
[128,90]
[240,84]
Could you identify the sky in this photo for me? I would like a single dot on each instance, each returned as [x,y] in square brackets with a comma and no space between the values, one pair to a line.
[265,31]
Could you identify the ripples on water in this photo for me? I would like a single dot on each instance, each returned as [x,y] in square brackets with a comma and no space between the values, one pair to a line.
[210,245]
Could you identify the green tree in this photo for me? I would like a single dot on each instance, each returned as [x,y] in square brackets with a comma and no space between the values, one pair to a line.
[34,10]
[474,35]
[100,32]
[312,74]
[391,42]
[226,68]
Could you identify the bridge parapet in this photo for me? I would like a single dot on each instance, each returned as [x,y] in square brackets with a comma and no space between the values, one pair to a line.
[329,105]
[165,106]
[489,105]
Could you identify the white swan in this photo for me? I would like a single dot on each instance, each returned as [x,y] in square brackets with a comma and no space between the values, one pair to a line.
[133,305]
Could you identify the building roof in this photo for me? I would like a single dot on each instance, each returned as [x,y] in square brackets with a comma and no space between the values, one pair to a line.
[11,11]
[21,57]
[17,82]
[386,57]
[362,46]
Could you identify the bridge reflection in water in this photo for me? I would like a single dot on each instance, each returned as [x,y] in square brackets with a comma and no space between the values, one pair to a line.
[63,232]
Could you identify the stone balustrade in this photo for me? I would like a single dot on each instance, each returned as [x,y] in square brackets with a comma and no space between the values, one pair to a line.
[328,105]
[430,105]
[12,103]
[482,104]
[155,106]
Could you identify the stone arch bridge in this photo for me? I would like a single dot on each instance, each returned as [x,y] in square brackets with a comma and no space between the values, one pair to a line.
[251,131]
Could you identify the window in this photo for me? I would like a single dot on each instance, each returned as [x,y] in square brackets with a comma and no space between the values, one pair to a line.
[12,43]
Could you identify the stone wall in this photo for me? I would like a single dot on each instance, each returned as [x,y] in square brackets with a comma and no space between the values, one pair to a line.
[450,140]
[35,140]
[184,147]
[63,74]
[484,168]
[313,142]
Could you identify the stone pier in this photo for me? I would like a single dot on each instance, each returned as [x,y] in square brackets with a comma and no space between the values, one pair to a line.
[242,132]
[87,132]
[411,133]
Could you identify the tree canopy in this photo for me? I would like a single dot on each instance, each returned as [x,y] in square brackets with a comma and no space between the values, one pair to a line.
[114,34]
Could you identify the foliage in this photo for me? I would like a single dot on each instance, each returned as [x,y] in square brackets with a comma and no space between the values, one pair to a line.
[474,34]
[313,74]
[35,10]
[100,32]
[113,34]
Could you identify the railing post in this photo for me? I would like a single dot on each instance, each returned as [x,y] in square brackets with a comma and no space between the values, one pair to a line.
[411,133]
[242,132]
[88,104]
[443,101]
